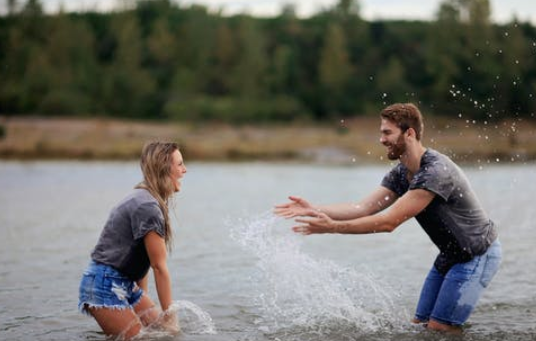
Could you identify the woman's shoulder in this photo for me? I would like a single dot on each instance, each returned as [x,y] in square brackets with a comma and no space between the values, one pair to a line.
[137,198]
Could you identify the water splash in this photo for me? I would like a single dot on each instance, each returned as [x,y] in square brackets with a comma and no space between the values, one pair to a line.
[192,321]
[299,293]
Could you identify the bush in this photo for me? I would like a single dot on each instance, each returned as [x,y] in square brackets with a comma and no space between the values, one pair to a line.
[235,110]
[64,102]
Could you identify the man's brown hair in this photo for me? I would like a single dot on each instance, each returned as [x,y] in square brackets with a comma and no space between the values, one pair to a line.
[405,116]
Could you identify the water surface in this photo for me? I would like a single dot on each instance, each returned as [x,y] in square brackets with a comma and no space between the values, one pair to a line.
[244,268]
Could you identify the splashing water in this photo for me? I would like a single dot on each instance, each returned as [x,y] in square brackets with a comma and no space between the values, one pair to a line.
[298,292]
[192,320]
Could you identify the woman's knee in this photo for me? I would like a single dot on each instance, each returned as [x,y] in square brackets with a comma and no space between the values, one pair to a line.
[122,323]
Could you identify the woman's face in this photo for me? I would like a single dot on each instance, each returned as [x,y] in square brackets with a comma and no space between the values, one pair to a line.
[178,169]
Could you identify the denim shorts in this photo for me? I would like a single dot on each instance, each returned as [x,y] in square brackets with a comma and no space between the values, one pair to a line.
[104,287]
[450,298]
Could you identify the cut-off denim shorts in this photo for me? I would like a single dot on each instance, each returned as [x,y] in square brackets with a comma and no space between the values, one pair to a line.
[450,298]
[104,287]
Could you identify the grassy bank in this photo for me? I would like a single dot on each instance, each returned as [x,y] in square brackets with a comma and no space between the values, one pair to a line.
[348,141]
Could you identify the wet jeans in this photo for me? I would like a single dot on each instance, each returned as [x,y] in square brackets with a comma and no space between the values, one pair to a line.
[450,298]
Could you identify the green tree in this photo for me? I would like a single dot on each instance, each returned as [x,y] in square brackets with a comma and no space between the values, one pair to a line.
[70,62]
[224,55]
[391,81]
[128,89]
[249,78]
[334,68]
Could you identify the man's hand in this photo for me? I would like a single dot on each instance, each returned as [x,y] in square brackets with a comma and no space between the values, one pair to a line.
[295,208]
[321,223]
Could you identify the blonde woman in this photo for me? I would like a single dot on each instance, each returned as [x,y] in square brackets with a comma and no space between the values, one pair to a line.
[135,238]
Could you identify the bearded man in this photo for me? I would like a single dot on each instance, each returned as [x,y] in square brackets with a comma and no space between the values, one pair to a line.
[429,186]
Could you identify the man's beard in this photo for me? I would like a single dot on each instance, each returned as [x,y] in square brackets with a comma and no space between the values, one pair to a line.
[397,149]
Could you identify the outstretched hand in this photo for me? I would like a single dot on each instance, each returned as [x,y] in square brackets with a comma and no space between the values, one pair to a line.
[320,223]
[295,208]
[169,322]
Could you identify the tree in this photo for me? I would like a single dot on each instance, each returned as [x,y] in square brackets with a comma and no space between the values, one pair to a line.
[11,7]
[391,81]
[334,68]
[128,88]
[69,57]
[249,78]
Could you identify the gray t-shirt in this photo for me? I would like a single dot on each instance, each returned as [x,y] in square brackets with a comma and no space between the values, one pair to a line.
[455,220]
[121,241]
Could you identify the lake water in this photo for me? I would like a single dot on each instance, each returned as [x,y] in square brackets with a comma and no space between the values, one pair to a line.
[238,272]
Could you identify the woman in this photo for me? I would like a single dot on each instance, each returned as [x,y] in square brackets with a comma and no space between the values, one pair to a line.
[136,237]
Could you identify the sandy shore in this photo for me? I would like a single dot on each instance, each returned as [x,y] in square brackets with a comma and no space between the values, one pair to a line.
[346,141]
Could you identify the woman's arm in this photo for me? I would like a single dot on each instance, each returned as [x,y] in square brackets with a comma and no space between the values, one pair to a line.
[156,249]
[143,283]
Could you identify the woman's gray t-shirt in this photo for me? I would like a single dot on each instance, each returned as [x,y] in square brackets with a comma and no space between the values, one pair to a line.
[455,220]
[121,243]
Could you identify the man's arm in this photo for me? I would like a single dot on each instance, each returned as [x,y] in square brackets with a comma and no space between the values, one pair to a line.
[408,206]
[375,202]
[378,200]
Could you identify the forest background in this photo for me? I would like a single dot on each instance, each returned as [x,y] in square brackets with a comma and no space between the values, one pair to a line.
[275,87]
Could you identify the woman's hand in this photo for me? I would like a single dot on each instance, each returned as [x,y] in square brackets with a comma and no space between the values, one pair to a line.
[296,207]
[169,322]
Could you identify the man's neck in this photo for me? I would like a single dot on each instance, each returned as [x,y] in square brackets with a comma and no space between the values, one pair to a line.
[412,157]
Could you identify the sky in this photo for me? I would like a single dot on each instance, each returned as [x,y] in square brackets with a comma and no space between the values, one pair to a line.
[502,10]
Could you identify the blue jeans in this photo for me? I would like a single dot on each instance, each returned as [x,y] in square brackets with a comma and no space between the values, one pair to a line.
[104,287]
[450,298]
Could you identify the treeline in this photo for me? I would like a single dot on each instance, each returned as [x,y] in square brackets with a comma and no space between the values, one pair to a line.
[159,60]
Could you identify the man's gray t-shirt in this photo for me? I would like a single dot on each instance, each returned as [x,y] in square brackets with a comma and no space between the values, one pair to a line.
[455,220]
[121,243]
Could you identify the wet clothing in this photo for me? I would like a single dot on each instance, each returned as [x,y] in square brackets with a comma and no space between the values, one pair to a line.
[104,287]
[455,220]
[450,298]
[121,243]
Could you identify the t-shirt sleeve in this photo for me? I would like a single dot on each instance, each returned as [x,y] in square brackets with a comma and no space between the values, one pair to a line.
[146,218]
[393,181]
[435,178]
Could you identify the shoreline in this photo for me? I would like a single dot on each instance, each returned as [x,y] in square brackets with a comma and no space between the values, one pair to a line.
[345,142]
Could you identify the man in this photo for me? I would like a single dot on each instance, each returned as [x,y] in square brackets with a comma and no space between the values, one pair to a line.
[427,185]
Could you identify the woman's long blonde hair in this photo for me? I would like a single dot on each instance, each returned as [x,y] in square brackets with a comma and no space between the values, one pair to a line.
[155,162]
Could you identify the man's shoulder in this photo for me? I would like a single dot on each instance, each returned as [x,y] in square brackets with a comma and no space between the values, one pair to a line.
[434,160]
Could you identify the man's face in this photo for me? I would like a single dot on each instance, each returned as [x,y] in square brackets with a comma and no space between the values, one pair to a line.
[392,137]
